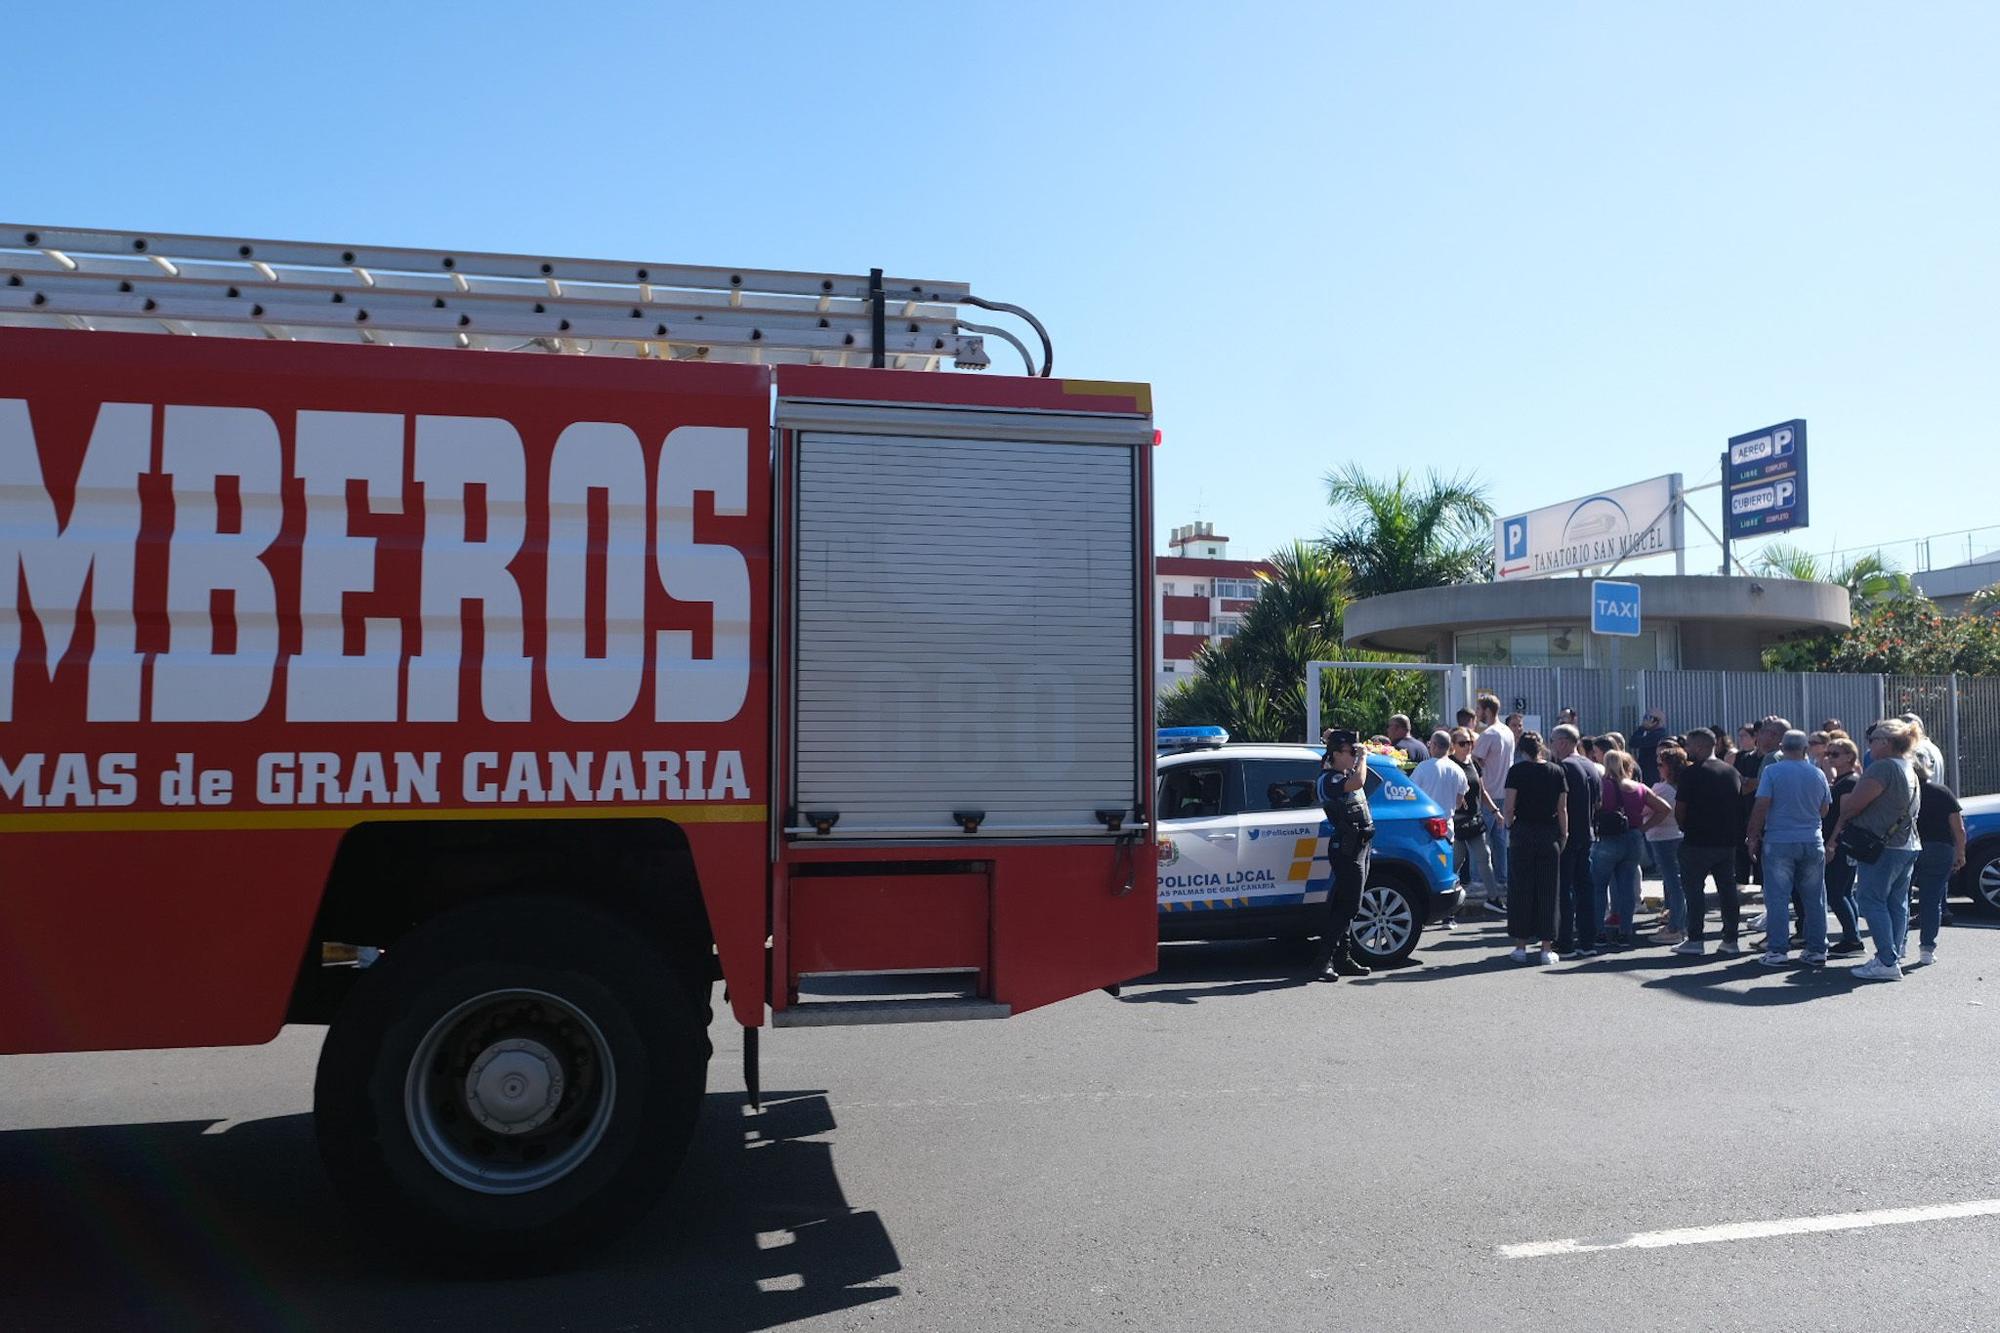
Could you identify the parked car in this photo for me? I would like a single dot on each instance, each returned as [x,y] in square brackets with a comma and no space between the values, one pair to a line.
[1980,880]
[1243,850]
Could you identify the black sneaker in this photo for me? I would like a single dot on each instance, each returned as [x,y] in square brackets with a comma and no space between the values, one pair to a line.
[1497,906]
[1347,967]
[1846,949]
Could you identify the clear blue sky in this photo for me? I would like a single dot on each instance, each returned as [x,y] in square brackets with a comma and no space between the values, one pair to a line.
[1565,248]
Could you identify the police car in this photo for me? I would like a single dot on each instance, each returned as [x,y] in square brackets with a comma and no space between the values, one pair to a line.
[1243,846]
[1980,880]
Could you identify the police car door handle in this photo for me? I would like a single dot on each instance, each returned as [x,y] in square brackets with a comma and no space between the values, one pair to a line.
[1219,837]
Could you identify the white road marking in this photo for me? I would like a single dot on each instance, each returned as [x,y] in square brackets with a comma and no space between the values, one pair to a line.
[1783,1226]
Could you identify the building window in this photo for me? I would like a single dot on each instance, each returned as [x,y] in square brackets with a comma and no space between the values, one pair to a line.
[1657,649]
[1241,589]
[1168,589]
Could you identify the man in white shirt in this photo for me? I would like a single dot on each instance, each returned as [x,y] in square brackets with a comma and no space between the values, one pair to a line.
[1400,737]
[1495,752]
[1441,778]
[1438,777]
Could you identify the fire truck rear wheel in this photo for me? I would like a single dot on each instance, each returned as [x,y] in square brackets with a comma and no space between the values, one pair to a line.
[509,1080]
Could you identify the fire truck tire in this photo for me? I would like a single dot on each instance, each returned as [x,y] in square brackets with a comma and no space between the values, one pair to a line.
[510,1080]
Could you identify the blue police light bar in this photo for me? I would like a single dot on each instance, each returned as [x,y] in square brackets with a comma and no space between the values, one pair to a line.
[1168,740]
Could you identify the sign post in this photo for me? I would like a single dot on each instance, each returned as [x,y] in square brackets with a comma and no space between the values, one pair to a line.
[1614,613]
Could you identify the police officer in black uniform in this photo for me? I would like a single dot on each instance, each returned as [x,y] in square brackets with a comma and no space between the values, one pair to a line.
[1345,802]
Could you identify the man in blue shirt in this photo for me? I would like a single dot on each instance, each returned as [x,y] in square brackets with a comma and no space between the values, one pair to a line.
[1792,801]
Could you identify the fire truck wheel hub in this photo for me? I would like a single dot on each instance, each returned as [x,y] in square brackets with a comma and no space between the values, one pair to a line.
[510,1091]
[514,1086]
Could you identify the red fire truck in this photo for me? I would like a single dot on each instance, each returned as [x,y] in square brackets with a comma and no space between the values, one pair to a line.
[489,708]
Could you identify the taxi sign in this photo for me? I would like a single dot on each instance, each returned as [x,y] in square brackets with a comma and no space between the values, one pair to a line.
[1614,608]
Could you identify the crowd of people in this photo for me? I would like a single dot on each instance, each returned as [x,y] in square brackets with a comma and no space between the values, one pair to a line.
[1557,833]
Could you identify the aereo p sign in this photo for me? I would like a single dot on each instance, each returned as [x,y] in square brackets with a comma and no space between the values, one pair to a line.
[1778,442]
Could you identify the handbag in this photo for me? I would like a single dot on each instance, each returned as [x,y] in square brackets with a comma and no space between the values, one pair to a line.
[1860,845]
[1612,822]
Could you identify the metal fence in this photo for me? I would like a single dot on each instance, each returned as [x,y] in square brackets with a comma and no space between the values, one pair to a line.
[1961,713]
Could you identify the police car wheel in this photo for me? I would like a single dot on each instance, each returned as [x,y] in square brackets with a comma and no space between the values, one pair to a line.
[1388,923]
[511,1079]
[1982,876]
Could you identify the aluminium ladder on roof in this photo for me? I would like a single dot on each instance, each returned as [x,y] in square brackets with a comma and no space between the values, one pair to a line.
[87,278]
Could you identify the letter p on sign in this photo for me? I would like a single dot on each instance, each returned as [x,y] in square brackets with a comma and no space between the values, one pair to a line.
[1614,608]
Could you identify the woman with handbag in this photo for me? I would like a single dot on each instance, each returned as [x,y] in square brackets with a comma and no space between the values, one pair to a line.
[1627,808]
[1878,829]
[1844,762]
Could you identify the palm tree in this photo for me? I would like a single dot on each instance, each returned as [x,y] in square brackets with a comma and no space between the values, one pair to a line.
[1399,534]
[1254,683]
[1869,578]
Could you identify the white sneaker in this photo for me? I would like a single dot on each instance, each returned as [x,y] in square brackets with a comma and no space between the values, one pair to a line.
[1520,955]
[1775,959]
[1549,959]
[1926,957]
[1877,970]
[1693,948]
[1755,923]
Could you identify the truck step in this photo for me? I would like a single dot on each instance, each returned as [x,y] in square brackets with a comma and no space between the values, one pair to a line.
[828,1013]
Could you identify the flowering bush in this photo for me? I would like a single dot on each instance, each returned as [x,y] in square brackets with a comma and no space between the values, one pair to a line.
[1904,637]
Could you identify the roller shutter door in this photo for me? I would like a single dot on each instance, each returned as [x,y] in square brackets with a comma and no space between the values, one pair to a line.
[966,634]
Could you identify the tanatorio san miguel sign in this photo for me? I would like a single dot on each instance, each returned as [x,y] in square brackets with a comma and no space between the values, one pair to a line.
[1632,521]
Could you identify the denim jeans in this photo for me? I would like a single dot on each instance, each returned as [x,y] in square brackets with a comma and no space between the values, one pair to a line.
[1840,897]
[1614,877]
[1795,867]
[1475,864]
[1496,846]
[1582,922]
[1667,860]
[1882,892]
[1932,877]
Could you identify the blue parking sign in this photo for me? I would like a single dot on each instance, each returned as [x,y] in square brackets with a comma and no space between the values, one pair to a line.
[1614,608]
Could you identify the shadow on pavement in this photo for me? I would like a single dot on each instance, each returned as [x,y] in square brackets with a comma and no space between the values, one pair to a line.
[1192,971]
[172,1226]
[1796,985]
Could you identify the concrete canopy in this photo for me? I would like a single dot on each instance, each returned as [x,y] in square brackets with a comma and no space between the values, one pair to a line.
[1724,623]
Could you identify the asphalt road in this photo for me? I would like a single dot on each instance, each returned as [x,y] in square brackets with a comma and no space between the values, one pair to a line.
[1224,1147]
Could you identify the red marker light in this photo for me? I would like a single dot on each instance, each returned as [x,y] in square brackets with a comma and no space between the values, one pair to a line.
[1158,436]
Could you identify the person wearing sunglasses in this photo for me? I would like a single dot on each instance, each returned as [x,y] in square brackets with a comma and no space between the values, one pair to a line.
[1645,744]
[1344,801]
